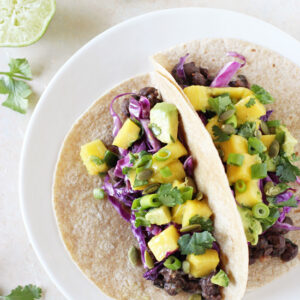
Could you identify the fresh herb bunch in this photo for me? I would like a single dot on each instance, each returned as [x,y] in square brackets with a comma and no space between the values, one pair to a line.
[28,292]
[18,91]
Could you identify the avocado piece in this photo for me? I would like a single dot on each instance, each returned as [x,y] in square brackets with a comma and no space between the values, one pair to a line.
[164,122]
[159,216]
[289,141]
[252,227]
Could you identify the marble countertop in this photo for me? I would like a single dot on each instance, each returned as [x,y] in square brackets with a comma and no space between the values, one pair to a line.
[74,24]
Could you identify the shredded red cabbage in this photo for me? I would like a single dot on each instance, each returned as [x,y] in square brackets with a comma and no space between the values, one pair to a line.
[122,163]
[154,229]
[298,180]
[284,196]
[286,226]
[284,212]
[266,117]
[138,147]
[189,166]
[152,142]
[119,208]
[227,72]
[139,109]
[202,117]
[154,272]
[180,69]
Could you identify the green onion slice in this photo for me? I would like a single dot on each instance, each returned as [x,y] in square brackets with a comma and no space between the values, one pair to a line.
[260,211]
[110,158]
[235,159]
[98,194]
[255,146]
[172,263]
[259,171]
[162,154]
[149,201]
[240,186]
[273,123]
[187,193]
[232,120]
[165,172]
[136,204]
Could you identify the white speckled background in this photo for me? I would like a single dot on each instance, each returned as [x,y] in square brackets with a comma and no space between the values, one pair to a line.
[75,23]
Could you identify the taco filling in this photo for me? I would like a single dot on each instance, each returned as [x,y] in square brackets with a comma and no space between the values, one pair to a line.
[148,178]
[257,153]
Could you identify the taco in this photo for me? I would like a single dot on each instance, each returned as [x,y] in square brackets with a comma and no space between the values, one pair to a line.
[142,206]
[232,86]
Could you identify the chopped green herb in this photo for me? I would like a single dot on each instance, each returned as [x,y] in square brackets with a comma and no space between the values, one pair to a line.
[220,103]
[247,129]
[286,171]
[125,170]
[206,223]
[195,244]
[138,183]
[235,159]
[271,219]
[292,202]
[220,279]
[28,292]
[169,196]
[110,158]
[96,160]
[261,94]
[220,135]
[250,103]
[259,171]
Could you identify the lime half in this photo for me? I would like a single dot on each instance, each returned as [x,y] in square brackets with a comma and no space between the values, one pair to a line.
[23,22]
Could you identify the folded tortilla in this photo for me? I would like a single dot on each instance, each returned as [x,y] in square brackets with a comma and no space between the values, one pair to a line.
[264,67]
[98,239]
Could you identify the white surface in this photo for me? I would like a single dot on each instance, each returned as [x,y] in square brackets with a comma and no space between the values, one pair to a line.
[122,51]
[74,24]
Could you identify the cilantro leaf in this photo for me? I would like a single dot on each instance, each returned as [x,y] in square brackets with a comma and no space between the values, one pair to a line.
[220,103]
[220,135]
[20,66]
[261,94]
[195,244]
[292,202]
[286,171]
[250,103]
[169,196]
[247,129]
[206,223]
[18,92]
[28,292]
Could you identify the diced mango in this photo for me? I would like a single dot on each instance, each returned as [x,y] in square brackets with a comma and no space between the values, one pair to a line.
[177,150]
[178,184]
[177,173]
[166,241]
[198,96]
[159,216]
[203,264]
[193,208]
[128,134]
[236,144]
[268,139]
[97,149]
[235,93]
[131,176]
[177,213]
[251,113]
[211,123]
[234,173]
[251,196]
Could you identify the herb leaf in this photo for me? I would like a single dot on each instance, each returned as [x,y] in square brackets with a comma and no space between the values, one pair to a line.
[247,129]
[286,171]
[20,66]
[292,202]
[250,103]
[220,103]
[220,135]
[169,196]
[195,244]
[206,223]
[28,292]
[261,94]
[271,219]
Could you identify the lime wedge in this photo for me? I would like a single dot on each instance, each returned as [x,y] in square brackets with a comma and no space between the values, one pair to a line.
[23,22]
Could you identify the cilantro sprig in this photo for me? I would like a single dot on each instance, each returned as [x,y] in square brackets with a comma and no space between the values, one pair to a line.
[220,135]
[17,91]
[250,103]
[261,94]
[169,196]
[206,223]
[28,292]
[286,171]
[220,104]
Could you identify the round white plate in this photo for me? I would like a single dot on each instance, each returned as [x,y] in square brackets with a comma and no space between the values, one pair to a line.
[115,55]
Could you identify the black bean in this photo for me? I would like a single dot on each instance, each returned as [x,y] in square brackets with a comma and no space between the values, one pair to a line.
[291,251]
[241,81]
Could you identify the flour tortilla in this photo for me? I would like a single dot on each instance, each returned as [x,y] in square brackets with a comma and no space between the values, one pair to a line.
[266,68]
[98,239]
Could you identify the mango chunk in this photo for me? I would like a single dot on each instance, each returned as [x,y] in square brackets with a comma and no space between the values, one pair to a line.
[245,112]
[235,93]
[177,150]
[236,144]
[128,134]
[234,173]
[251,196]
[268,139]
[203,264]
[195,207]
[177,213]
[89,154]
[159,216]
[198,96]
[211,123]
[166,241]
[176,169]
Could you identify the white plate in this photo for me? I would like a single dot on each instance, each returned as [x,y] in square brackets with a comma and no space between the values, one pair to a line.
[115,55]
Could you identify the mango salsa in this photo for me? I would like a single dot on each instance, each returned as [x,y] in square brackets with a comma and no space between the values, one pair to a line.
[128,134]
[234,173]
[166,241]
[211,123]
[245,112]
[203,264]
[198,96]
[236,144]
[195,207]
[177,213]
[159,216]
[251,196]
[89,154]
[235,93]
[268,139]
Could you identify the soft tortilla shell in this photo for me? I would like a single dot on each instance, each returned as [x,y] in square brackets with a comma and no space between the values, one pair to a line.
[96,236]
[264,67]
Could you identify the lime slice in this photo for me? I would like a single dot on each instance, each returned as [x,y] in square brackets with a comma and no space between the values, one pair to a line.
[23,22]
